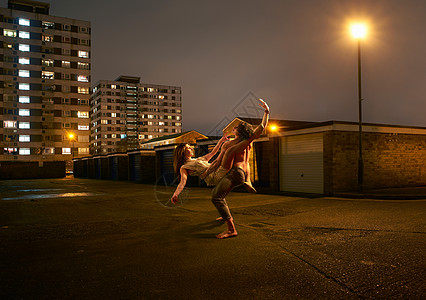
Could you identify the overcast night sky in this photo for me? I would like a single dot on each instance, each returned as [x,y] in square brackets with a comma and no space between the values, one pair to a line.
[296,54]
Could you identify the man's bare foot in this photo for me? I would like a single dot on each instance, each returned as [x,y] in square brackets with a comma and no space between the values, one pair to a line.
[220,219]
[227,234]
[249,187]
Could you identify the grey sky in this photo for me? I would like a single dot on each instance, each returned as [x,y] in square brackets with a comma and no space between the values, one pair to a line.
[296,54]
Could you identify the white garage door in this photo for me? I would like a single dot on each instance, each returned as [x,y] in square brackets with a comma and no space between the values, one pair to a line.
[301,163]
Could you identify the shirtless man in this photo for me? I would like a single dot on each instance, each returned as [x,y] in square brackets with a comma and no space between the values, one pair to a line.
[236,176]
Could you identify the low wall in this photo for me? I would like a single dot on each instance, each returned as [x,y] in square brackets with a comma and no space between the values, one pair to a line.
[390,160]
[31,170]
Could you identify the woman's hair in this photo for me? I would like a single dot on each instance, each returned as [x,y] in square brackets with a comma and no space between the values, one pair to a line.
[245,130]
[179,157]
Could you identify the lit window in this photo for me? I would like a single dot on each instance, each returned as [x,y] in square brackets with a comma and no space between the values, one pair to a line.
[83,114]
[9,32]
[24,112]
[150,136]
[47,38]
[161,123]
[47,75]
[24,34]
[24,61]
[123,136]
[113,115]
[48,25]
[150,116]
[83,150]
[104,122]
[177,118]
[24,22]
[66,150]
[24,73]
[149,123]
[83,54]
[66,64]
[24,125]
[49,150]
[24,86]
[47,62]
[24,151]
[83,127]
[83,90]
[24,99]
[84,66]
[23,47]
[24,138]
[83,138]
[10,151]
[9,124]
[83,78]
[178,124]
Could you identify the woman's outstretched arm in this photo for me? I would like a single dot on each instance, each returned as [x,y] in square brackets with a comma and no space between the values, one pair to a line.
[181,186]
[209,155]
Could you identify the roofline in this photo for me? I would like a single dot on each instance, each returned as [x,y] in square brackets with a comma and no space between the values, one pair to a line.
[334,122]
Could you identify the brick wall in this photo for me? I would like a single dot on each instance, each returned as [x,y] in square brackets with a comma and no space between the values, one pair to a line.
[31,170]
[390,160]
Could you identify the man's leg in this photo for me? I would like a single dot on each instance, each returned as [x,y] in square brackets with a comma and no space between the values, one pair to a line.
[234,178]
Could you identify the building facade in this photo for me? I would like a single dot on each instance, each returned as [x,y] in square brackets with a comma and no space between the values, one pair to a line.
[44,84]
[126,113]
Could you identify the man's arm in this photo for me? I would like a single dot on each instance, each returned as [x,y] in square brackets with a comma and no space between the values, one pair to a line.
[259,129]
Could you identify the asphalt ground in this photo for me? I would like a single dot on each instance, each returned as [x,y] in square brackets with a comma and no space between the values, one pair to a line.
[91,239]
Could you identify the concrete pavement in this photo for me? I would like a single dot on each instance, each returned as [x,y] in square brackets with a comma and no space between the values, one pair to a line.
[90,239]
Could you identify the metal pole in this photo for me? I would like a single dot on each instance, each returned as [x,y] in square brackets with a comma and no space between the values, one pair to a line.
[360,160]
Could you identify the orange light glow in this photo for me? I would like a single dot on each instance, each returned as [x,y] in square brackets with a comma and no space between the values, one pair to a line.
[273,127]
[359,31]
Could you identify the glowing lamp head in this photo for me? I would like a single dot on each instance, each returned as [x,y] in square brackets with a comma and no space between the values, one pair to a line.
[70,136]
[273,128]
[359,31]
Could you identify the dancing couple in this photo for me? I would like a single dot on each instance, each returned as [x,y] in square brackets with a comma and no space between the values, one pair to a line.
[229,170]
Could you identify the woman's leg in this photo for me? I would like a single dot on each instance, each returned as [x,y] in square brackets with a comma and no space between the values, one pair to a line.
[247,184]
[218,161]
[228,157]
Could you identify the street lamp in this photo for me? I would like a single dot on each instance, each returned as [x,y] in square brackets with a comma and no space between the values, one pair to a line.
[273,128]
[359,32]
[71,137]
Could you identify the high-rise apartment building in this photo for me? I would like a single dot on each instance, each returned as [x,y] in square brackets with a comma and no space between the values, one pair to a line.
[44,84]
[126,112]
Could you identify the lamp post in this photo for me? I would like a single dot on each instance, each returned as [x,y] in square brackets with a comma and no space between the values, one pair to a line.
[71,137]
[359,32]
